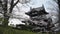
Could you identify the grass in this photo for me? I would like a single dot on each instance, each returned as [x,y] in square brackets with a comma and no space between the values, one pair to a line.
[9,30]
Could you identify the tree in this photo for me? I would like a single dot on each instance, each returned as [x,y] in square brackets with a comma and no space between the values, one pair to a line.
[6,15]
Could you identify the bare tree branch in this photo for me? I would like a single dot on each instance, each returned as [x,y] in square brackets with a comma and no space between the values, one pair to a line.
[12,5]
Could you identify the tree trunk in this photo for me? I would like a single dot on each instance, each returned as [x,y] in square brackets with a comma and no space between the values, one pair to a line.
[5,13]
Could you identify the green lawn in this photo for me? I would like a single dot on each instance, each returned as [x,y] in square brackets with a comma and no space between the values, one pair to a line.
[9,30]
